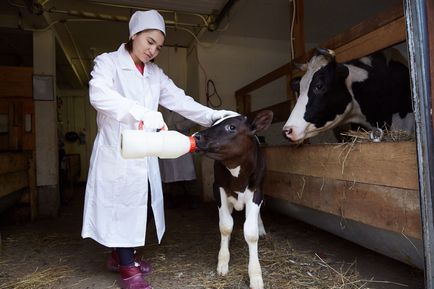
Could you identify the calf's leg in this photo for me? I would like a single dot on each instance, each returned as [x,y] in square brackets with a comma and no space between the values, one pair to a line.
[251,234]
[261,226]
[226,224]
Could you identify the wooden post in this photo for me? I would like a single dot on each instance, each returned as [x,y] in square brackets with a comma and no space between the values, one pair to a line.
[430,19]
[32,186]
[417,20]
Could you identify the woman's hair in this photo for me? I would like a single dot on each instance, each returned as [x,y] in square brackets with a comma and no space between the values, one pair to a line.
[129,44]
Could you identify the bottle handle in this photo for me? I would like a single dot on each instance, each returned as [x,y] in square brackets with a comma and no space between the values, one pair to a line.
[140,126]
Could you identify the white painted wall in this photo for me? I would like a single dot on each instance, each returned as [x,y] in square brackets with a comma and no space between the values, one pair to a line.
[235,62]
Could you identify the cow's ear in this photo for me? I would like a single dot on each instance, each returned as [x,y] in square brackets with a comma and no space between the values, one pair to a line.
[262,120]
[341,71]
[295,84]
[300,66]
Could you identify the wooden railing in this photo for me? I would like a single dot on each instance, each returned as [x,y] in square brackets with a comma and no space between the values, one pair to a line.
[17,175]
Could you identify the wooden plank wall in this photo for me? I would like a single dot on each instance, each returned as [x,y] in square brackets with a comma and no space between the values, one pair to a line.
[13,173]
[17,145]
[371,183]
[17,172]
[16,100]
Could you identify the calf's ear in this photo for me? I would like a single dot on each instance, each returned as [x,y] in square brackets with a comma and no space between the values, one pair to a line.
[262,120]
[342,71]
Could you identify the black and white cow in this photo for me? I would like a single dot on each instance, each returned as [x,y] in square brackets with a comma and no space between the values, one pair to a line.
[373,91]
[239,169]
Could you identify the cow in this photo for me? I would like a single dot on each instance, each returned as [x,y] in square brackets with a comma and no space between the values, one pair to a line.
[239,169]
[372,91]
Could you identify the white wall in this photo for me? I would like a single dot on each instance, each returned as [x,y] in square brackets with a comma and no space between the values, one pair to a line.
[235,62]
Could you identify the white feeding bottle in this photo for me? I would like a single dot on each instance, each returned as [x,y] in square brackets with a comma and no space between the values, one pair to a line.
[164,144]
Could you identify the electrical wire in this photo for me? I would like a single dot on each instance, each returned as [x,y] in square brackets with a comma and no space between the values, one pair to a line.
[209,84]
[210,92]
[292,28]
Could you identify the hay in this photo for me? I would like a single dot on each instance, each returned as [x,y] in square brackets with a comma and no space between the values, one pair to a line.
[186,259]
[282,267]
[39,279]
[43,276]
[362,135]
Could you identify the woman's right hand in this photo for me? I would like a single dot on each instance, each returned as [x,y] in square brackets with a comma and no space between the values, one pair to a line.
[152,120]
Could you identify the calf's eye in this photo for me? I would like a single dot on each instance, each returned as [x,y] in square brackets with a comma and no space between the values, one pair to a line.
[230,127]
[318,88]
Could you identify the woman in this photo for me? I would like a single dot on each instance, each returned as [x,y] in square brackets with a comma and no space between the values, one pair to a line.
[125,89]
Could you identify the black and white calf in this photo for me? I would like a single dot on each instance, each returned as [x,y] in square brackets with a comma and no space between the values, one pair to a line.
[373,91]
[239,169]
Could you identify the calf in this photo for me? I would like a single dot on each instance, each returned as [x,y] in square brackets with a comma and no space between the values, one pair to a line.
[373,91]
[239,169]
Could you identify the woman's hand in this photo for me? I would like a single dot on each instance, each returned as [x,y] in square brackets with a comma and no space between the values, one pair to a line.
[152,120]
[219,114]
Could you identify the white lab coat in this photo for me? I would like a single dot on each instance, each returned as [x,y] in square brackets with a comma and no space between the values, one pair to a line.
[115,208]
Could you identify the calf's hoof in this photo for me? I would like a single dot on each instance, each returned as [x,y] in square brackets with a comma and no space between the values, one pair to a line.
[222,269]
[256,283]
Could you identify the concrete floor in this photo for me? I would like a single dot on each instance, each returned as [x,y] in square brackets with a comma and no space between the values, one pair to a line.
[52,250]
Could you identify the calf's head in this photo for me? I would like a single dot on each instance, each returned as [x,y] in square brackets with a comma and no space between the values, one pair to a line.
[323,97]
[231,139]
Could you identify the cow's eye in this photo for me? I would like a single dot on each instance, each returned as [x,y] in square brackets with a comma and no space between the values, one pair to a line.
[318,88]
[230,127]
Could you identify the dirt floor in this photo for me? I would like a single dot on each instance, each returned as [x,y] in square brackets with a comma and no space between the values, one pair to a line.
[51,254]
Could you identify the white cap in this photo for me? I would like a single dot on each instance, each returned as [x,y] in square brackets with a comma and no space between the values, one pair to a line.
[142,20]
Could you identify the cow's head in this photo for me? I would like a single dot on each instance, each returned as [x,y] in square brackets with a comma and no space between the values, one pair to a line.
[323,100]
[233,137]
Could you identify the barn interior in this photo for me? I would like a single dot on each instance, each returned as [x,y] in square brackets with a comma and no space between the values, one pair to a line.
[337,214]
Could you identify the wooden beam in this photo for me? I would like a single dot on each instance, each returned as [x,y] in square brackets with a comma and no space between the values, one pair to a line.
[269,77]
[367,26]
[388,163]
[388,208]
[388,35]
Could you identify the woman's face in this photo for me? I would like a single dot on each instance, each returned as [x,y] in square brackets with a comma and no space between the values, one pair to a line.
[146,45]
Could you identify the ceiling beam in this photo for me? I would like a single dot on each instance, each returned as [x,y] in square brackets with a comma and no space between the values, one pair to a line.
[71,50]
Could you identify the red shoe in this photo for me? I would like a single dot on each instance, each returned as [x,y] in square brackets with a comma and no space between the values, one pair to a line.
[113,263]
[132,278]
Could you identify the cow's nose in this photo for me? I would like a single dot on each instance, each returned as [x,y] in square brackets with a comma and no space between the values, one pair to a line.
[287,133]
